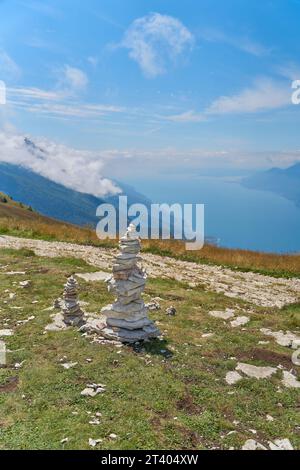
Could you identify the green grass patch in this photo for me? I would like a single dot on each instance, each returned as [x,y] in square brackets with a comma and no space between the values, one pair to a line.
[168,394]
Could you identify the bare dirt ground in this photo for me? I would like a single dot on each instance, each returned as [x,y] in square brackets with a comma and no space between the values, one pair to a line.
[255,288]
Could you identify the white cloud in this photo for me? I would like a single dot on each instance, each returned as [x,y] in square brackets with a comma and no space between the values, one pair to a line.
[265,95]
[156,40]
[35,93]
[9,70]
[72,80]
[94,61]
[56,104]
[187,116]
[62,101]
[83,170]
[290,71]
[239,42]
[77,169]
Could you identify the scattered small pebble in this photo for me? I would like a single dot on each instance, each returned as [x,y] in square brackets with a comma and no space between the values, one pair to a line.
[92,390]
[94,422]
[171,311]
[18,365]
[69,365]
[25,284]
[94,442]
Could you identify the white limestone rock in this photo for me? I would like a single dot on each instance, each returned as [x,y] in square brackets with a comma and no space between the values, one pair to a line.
[239,321]
[6,332]
[93,277]
[251,444]
[289,380]
[224,315]
[287,339]
[92,390]
[25,284]
[58,323]
[94,442]
[255,371]
[233,377]
[69,365]
[2,354]
[281,444]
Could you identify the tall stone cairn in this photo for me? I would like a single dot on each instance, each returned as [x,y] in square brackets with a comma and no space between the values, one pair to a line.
[72,313]
[127,318]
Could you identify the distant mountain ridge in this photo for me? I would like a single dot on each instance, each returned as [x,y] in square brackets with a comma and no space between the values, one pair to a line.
[55,200]
[285,182]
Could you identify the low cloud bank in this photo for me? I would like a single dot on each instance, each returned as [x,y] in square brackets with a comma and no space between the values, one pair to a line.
[76,169]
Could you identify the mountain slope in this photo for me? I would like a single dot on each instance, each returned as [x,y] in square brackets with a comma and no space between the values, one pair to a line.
[286,182]
[55,200]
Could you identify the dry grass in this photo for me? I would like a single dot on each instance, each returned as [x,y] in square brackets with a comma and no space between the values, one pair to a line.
[276,264]
[21,222]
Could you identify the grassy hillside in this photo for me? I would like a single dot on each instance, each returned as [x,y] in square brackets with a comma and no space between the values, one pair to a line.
[19,221]
[48,197]
[55,200]
[168,394]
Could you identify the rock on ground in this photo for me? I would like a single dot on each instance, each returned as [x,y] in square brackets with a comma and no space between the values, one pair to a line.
[287,339]
[289,380]
[233,377]
[239,321]
[94,442]
[251,444]
[256,288]
[93,277]
[6,332]
[2,354]
[92,390]
[281,444]
[224,315]
[255,371]
[278,444]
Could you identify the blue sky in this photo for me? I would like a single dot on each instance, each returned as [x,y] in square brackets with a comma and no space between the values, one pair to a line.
[143,86]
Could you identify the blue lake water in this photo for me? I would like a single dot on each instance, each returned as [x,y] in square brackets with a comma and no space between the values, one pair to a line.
[237,216]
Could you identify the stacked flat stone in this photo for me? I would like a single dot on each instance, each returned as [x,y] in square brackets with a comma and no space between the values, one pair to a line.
[72,313]
[57,303]
[127,318]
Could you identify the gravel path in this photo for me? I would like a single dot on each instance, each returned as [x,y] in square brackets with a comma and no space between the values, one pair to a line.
[255,288]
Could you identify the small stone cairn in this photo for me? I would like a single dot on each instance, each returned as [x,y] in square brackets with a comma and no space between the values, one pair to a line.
[126,320]
[57,304]
[72,313]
